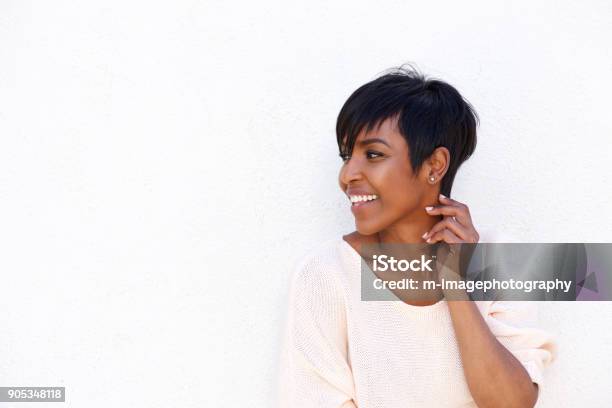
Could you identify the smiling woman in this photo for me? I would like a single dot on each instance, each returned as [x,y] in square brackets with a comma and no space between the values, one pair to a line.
[402,138]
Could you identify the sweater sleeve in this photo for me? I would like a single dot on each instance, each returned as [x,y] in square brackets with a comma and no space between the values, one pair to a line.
[513,323]
[314,367]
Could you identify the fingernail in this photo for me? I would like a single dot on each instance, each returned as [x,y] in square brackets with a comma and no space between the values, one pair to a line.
[429,240]
[424,235]
[442,196]
[428,208]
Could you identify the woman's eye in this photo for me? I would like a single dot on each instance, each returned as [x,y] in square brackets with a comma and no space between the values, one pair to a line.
[373,155]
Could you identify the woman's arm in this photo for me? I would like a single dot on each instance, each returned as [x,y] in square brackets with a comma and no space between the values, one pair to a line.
[494,376]
[314,369]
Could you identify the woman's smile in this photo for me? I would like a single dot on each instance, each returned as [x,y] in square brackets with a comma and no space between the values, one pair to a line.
[359,203]
[361,199]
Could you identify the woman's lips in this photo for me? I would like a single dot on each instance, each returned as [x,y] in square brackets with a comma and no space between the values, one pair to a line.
[361,206]
[361,199]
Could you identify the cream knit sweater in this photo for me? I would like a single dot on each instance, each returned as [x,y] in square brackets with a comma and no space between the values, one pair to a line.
[341,352]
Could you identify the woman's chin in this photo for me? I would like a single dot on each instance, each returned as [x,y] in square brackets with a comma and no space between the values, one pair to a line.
[366,229]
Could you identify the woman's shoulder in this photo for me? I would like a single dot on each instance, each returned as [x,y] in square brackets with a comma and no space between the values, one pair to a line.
[321,253]
[330,257]
[315,274]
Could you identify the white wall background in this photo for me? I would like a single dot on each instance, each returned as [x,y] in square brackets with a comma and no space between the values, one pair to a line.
[163,164]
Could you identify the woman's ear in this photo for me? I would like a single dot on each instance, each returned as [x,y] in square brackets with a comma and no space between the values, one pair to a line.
[438,163]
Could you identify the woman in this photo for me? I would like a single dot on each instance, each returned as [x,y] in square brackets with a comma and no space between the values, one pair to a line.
[402,138]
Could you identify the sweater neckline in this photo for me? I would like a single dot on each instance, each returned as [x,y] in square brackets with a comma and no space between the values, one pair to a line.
[400,304]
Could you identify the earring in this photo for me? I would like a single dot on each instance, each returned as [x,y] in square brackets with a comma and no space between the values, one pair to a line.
[432,179]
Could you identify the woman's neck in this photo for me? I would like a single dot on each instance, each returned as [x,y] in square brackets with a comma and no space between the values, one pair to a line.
[408,232]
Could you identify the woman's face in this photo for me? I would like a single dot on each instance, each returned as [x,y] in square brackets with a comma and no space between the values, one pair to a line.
[378,176]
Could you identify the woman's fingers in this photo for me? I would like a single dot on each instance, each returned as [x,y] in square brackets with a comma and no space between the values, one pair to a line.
[450,223]
[444,235]
[452,208]
[457,219]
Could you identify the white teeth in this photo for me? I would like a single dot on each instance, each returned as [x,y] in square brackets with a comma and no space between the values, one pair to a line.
[360,198]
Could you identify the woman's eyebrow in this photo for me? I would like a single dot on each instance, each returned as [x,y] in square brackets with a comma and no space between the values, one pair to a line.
[373,140]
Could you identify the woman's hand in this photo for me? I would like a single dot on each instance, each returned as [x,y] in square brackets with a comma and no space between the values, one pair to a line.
[481,352]
[455,229]
[456,226]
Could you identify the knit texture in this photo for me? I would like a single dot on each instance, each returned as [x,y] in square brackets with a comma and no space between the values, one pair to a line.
[339,351]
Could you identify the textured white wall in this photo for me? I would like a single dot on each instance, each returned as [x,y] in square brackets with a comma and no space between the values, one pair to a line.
[163,164]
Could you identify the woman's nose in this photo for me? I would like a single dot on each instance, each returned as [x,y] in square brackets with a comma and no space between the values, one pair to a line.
[351,171]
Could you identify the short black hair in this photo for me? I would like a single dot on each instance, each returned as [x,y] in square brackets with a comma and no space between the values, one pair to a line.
[430,113]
